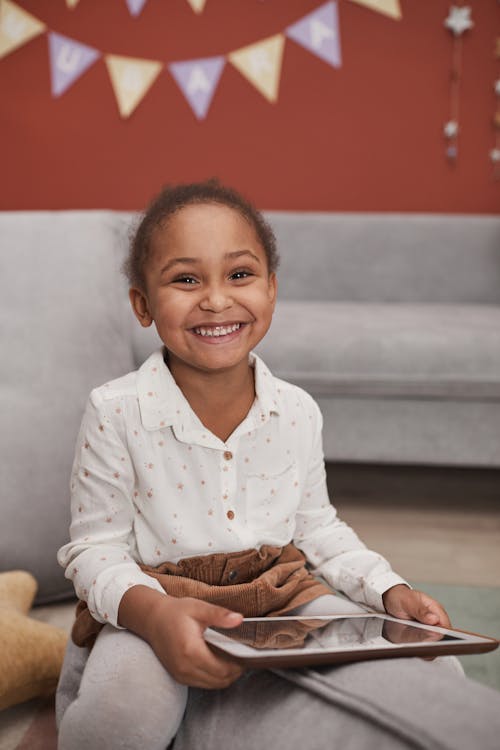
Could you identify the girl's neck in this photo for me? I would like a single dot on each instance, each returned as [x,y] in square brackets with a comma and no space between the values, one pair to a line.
[221,400]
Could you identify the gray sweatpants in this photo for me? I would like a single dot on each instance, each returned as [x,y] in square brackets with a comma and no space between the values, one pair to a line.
[121,697]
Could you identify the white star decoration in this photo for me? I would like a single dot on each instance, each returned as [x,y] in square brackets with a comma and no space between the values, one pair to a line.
[459,20]
[451,128]
[495,155]
[497,87]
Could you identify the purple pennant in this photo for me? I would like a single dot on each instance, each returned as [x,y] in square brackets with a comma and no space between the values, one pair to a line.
[319,33]
[135,6]
[198,80]
[68,61]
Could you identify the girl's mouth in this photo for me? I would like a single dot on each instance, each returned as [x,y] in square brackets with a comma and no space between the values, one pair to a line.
[217,331]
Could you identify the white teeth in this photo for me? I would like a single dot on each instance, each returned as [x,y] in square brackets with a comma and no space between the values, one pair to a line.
[217,330]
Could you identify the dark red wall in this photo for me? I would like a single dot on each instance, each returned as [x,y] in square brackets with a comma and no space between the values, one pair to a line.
[365,137]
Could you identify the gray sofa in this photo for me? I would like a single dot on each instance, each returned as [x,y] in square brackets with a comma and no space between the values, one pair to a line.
[391,321]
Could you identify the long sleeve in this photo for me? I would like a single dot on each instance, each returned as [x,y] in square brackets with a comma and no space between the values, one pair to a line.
[99,558]
[332,548]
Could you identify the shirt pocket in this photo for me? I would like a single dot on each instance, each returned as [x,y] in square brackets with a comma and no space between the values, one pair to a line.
[272,499]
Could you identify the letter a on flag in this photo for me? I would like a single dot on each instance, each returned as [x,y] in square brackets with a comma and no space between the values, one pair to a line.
[260,63]
[319,33]
[17,27]
[131,78]
[68,61]
[198,79]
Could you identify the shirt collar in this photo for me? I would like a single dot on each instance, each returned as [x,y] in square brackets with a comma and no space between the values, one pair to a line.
[265,386]
[162,403]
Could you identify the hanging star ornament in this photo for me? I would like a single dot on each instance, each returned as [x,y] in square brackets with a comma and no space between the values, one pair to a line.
[497,87]
[459,20]
[451,129]
[495,155]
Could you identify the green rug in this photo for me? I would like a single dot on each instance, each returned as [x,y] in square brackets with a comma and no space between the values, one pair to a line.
[477,609]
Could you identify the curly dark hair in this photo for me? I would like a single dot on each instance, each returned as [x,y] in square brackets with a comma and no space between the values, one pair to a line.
[173,198]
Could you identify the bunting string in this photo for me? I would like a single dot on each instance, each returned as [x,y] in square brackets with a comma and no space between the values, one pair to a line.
[260,63]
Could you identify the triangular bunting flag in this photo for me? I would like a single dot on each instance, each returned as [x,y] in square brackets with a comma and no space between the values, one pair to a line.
[260,63]
[198,80]
[390,8]
[197,5]
[319,33]
[72,3]
[17,27]
[135,6]
[131,78]
[68,61]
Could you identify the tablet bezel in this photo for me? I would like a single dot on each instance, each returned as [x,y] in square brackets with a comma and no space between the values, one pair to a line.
[469,643]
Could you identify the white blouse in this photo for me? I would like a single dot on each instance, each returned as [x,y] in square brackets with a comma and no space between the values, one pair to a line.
[150,483]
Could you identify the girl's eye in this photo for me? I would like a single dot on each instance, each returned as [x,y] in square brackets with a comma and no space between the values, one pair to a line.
[237,275]
[184,280]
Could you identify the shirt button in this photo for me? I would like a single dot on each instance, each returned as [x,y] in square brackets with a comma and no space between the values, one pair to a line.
[228,455]
[230,515]
[232,575]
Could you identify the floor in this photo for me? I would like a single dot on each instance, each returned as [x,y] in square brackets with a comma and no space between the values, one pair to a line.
[441,526]
[433,524]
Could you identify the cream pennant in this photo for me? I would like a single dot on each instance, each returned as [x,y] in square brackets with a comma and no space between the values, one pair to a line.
[260,63]
[197,5]
[72,3]
[17,27]
[131,78]
[390,8]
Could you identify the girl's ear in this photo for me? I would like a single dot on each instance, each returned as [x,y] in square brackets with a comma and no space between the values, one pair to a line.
[140,306]
[272,288]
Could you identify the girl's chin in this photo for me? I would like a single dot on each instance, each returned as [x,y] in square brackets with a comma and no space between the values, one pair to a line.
[213,360]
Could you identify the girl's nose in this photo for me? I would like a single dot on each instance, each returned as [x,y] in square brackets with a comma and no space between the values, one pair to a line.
[216,299]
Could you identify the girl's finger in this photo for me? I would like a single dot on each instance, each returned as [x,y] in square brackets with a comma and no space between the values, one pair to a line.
[434,613]
[201,678]
[441,614]
[213,667]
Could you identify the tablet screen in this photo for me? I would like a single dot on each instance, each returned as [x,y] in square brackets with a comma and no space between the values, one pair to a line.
[328,634]
[297,641]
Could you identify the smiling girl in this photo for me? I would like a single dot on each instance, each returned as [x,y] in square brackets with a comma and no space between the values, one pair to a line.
[198,488]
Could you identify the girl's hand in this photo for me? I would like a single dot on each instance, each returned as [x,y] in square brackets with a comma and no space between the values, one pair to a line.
[176,636]
[407,604]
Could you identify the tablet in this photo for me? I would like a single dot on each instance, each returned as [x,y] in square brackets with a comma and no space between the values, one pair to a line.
[267,642]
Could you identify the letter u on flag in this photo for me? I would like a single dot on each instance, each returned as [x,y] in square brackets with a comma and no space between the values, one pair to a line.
[68,61]
[319,32]
[17,27]
[198,79]
[260,63]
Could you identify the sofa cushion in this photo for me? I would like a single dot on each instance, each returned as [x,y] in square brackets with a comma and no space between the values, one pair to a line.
[65,331]
[389,350]
[400,258]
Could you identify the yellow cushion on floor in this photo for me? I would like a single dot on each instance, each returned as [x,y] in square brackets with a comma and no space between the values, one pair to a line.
[31,652]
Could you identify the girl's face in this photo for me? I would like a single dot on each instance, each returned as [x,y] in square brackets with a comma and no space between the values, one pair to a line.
[208,288]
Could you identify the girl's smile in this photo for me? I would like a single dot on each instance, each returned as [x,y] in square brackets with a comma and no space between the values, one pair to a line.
[218,334]
[208,289]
